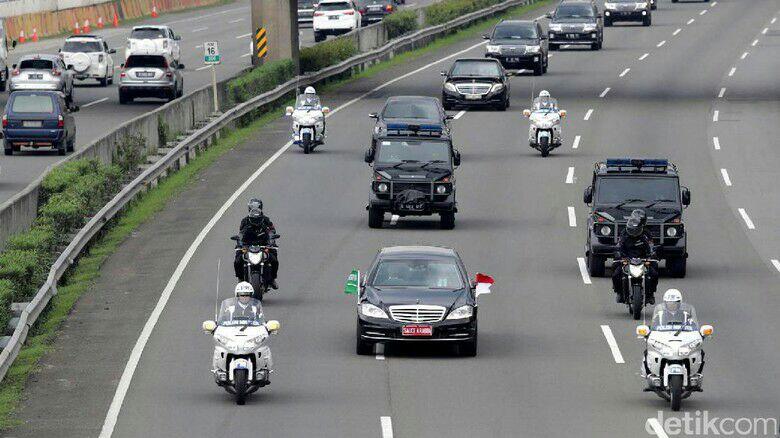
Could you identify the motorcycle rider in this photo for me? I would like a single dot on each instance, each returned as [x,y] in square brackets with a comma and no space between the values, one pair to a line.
[257,229]
[635,242]
[309,98]
[244,305]
[545,101]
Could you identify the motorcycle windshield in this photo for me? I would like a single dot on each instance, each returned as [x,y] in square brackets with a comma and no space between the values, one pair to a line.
[240,312]
[307,101]
[683,319]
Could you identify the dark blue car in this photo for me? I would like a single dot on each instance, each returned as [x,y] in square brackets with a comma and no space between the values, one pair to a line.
[38,119]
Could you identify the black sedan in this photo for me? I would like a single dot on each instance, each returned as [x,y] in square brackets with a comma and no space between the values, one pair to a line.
[476,82]
[411,110]
[417,294]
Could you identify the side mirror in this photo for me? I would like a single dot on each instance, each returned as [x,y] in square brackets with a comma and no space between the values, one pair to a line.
[548,15]
[373,116]
[485,36]
[13,66]
[13,44]
[587,196]
[449,117]
[234,238]
[369,157]
[179,66]
[209,327]
[122,65]
[642,331]
[686,196]
[456,157]
[273,326]
[482,284]
[443,73]
[325,110]
[69,67]
[563,113]
[59,50]
[706,330]
[352,286]
[288,111]
[111,51]
[526,113]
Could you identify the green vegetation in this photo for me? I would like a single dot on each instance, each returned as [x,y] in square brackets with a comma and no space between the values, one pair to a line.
[260,80]
[328,53]
[400,23]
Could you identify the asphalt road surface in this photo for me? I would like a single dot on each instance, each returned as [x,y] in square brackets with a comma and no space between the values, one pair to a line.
[544,366]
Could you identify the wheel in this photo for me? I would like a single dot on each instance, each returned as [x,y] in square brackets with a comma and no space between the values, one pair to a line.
[447,220]
[375,217]
[318,37]
[103,82]
[545,152]
[306,148]
[61,147]
[71,145]
[553,47]
[124,98]
[607,22]
[240,378]
[596,265]
[637,301]
[676,266]
[362,348]
[111,79]
[647,21]
[468,348]
[503,105]
[448,106]
[257,284]
[596,46]
[675,391]
[539,68]
[546,65]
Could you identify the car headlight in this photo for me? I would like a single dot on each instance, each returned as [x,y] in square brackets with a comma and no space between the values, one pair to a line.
[382,187]
[589,28]
[441,189]
[496,88]
[449,86]
[671,232]
[372,311]
[609,6]
[493,49]
[556,27]
[636,271]
[533,49]
[462,312]
[606,230]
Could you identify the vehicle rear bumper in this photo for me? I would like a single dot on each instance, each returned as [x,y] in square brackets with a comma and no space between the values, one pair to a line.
[33,137]
[49,86]
[94,72]
[148,89]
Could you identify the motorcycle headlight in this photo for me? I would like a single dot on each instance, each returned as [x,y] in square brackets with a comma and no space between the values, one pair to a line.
[225,342]
[449,86]
[372,311]
[462,312]
[254,258]
[493,49]
[684,351]
[441,189]
[382,187]
[671,232]
[606,230]
[636,271]
[691,347]
[496,88]
[533,49]
[556,27]
[660,347]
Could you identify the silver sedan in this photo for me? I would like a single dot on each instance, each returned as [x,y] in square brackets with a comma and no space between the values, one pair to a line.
[42,72]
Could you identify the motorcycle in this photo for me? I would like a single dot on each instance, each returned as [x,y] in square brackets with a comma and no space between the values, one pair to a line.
[256,259]
[308,128]
[674,359]
[242,361]
[544,134]
[635,272]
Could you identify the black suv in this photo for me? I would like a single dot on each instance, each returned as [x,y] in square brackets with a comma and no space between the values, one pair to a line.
[621,185]
[414,174]
[374,11]
[475,82]
[424,111]
[576,22]
[518,44]
[627,10]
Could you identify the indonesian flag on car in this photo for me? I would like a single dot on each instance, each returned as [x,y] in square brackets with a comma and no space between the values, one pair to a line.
[484,282]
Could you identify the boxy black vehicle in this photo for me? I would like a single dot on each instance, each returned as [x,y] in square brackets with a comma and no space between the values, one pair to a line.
[518,44]
[38,119]
[621,185]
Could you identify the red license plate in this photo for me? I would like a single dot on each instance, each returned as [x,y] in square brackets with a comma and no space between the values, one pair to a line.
[417,330]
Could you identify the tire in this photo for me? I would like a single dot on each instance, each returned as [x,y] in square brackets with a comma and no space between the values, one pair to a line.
[257,284]
[607,22]
[596,265]
[447,220]
[103,82]
[71,145]
[545,151]
[637,301]
[677,266]
[468,348]
[647,21]
[306,148]
[596,46]
[362,348]
[539,68]
[124,98]
[675,391]
[546,65]
[503,105]
[61,147]
[375,217]
[318,37]
[447,106]
[240,383]
[553,47]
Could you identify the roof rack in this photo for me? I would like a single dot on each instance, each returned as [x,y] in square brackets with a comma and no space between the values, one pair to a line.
[637,165]
[83,36]
[409,129]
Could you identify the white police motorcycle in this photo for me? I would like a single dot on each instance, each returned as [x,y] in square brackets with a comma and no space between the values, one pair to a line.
[674,360]
[242,361]
[308,117]
[544,134]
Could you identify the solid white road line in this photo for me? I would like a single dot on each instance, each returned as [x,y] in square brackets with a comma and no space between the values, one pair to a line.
[604,93]
[387,427]
[200,17]
[572,216]
[722,92]
[642,58]
[243,36]
[657,428]
[576,143]
[661,43]
[713,4]
[715,115]
[755,42]
[202,68]
[716,143]
[95,102]
[726,179]
[676,32]
[584,271]
[394,219]
[588,114]
[746,218]
[199,46]
[570,175]
[744,55]
[200,29]
[135,355]
[691,21]
[625,72]
[763,32]
[460,114]
[236,20]
[246,54]
[773,20]
[380,351]
[612,344]
[732,71]
[776,264]
[703,12]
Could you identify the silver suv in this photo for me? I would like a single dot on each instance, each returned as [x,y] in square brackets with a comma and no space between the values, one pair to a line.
[43,72]
[156,75]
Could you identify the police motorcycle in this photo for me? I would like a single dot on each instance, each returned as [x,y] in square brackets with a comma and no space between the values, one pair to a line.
[308,120]
[242,361]
[673,360]
[256,259]
[544,134]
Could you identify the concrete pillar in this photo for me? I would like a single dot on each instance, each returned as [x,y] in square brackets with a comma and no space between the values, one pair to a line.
[280,20]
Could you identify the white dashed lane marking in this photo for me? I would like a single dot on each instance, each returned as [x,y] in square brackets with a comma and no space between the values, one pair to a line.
[243,36]
[676,32]
[584,271]
[726,179]
[570,175]
[744,55]
[746,218]
[642,58]
[716,143]
[763,32]
[576,143]
[722,92]
[235,21]
[380,351]
[754,43]
[703,12]
[625,72]
[691,21]
[387,427]
[200,29]
[572,217]
[604,93]
[459,115]
[95,102]
[732,71]
[246,54]
[715,115]
[773,20]
[612,344]
[776,264]
[588,114]
[661,43]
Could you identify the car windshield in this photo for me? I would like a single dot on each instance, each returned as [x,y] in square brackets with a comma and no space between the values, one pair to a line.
[438,273]
[307,101]
[668,321]
[82,46]
[33,103]
[614,190]
[475,68]
[147,34]
[411,110]
[515,31]
[340,6]
[574,11]
[150,61]
[36,64]
[393,152]
[234,312]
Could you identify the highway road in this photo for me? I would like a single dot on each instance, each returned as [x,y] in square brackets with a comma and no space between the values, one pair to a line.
[100,110]
[682,88]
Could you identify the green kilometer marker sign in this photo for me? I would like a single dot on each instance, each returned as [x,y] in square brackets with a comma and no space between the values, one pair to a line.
[211,53]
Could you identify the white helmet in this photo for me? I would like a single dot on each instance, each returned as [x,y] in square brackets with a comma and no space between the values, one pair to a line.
[672,300]
[544,93]
[309,90]
[244,289]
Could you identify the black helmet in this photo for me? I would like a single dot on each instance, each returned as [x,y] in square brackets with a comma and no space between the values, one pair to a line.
[255,204]
[640,214]
[634,227]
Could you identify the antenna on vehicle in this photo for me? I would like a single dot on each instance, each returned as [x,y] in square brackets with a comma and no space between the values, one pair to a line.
[216,298]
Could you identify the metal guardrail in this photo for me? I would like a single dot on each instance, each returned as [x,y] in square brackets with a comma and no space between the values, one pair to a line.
[192,142]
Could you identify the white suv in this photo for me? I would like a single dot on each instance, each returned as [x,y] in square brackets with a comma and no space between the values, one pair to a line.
[335,17]
[153,39]
[90,57]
